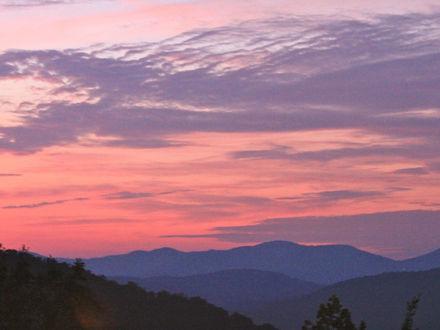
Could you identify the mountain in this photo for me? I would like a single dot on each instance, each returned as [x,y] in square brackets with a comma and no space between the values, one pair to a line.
[379,300]
[318,264]
[424,262]
[237,290]
[42,294]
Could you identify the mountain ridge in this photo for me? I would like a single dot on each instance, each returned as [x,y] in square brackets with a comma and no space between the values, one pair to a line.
[237,290]
[322,264]
[319,264]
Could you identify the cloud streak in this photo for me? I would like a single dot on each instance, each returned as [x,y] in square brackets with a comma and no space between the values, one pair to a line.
[45,203]
[37,3]
[412,171]
[127,195]
[334,196]
[84,222]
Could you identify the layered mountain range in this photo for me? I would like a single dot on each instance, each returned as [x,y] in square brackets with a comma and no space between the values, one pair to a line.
[319,264]
[283,283]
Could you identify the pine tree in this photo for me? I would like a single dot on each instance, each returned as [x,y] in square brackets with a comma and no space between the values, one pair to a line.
[411,309]
[332,316]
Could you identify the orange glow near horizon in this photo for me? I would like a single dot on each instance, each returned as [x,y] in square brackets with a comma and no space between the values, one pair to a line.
[192,189]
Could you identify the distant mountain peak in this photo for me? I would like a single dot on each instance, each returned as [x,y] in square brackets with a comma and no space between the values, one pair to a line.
[161,251]
[165,250]
[279,244]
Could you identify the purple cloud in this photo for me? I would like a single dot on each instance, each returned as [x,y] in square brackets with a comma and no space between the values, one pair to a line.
[334,196]
[45,203]
[84,222]
[127,195]
[412,171]
[310,75]
[37,3]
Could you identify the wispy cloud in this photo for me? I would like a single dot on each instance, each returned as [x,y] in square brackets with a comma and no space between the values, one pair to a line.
[334,196]
[412,171]
[38,3]
[84,222]
[121,195]
[45,203]
[127,195]
[409,150]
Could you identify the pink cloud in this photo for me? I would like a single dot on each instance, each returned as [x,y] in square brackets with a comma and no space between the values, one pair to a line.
[82,24]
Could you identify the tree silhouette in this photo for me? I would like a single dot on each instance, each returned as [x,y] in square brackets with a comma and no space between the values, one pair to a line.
[332,316]
[78,268]
[43,294]
[411,309]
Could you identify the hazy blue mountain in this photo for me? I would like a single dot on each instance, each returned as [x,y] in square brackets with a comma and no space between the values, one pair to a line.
[424,262]
[379,300]
[238,290]
[319,264]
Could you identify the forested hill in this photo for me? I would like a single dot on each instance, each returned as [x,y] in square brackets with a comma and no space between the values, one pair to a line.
[379,300]
[38,293]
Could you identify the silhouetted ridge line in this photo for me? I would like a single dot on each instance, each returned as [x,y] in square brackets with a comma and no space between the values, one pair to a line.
[319,264]
[42,294]
[236,290]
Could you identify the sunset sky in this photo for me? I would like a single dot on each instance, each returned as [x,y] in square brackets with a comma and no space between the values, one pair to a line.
[137,124]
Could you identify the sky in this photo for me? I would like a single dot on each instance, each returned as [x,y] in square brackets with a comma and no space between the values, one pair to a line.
[136,124]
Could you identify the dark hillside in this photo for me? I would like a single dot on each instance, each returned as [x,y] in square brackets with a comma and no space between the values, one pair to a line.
[239,290]
[40,293]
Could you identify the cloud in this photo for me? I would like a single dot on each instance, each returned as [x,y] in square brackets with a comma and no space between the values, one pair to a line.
[323,199]
[10,174]
[85,221]
[398,234]
[414,151]
[412,171]
[37,3]
[143,144]
[45,203]
[299,74]
[128,195]
[277,152]
[334,196]
[121,195]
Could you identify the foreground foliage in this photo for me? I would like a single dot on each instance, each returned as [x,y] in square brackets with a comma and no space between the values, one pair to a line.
[333,316]
[37,293]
